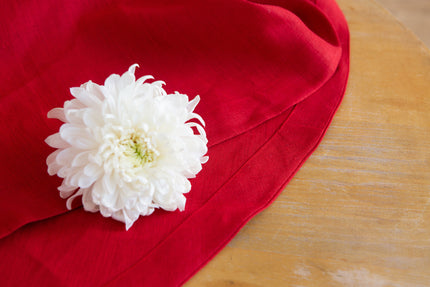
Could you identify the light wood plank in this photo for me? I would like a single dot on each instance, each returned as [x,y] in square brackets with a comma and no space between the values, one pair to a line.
[414,14]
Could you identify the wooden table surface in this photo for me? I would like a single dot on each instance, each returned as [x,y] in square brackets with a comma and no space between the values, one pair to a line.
[358,212]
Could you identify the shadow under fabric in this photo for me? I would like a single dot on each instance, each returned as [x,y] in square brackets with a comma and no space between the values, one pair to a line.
[270,75]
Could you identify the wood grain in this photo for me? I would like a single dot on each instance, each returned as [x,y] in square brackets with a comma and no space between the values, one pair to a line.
[414,14]
[358,211]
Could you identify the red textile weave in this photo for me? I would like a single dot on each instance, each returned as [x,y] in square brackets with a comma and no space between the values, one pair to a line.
[270,75]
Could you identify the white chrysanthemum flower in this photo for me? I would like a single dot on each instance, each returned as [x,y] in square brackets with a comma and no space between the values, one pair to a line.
[127,147]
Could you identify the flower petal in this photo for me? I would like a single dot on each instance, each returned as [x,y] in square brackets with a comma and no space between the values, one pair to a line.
[56,141]
[53,166]
[77,136]
[57,113]
[142,80]
[111,83]
[66,190]
[96,90]
[132,68]
[87,201]
[86,181]
[92,119]
[204,159]
[70,199]
[67,156]
[93,170]
[79,158]
[85,97]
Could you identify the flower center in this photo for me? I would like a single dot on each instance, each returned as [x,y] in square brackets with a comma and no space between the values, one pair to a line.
[139,149]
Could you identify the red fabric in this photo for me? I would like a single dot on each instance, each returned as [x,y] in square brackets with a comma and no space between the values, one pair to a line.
[270,75]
